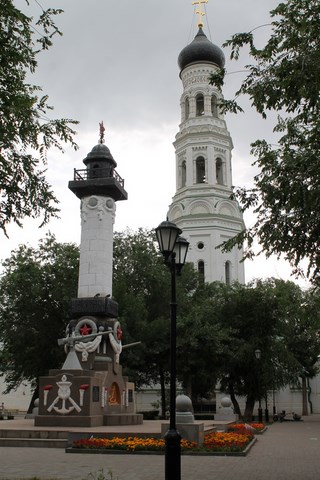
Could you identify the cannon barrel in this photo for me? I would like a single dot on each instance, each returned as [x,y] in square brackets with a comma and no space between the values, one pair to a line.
[131,345]
[80,338]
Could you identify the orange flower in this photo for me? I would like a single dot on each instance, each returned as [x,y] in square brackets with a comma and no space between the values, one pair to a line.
[216,441]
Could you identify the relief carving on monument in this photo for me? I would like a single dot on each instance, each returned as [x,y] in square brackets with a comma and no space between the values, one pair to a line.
[100,205]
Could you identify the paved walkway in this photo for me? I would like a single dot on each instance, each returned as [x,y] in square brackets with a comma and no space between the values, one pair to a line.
[287,451]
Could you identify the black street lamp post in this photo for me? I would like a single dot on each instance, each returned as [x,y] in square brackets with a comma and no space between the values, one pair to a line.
[174,250]
[266,411]
[258,357]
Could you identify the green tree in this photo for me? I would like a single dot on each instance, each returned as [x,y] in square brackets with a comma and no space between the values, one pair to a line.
[301,336]
[279,319]
[284,78]
[222,330]
[141,285]
[26,131]
[200,337]
[251,314]
[35,291]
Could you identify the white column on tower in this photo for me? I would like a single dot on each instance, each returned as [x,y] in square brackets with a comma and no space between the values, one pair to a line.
[96,249]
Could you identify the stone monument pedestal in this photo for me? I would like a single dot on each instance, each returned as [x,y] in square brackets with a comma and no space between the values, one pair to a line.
[85,398]
[194,432]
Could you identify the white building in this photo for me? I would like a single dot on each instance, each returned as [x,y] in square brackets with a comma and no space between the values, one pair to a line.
[202,206]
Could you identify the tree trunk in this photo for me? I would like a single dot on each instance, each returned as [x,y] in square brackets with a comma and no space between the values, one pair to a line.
[189,388]
[235,403]
[248,413]
[163,394]
[304,396]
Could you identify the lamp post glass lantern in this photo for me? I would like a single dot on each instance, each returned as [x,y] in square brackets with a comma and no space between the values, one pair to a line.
[257,354]
[180,251]
[174,250]
[167,234]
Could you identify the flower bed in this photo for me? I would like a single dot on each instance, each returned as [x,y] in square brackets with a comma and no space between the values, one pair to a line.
[227,441]
[222,442]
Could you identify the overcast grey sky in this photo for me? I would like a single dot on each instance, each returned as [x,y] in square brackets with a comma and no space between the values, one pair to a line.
[117,62]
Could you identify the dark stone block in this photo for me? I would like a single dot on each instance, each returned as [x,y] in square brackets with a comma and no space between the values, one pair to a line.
[94,306]
[109,187]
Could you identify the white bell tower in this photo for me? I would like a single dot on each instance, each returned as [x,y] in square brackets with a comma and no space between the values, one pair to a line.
[202,206]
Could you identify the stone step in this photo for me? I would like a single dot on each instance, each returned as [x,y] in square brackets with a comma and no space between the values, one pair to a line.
[34,434]
[24,434]
[33,442]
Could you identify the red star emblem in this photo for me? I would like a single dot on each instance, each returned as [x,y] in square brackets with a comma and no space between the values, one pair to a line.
[85,329]
[119,333]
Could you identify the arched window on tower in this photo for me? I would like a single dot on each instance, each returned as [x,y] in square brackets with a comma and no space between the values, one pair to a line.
[201,271]
[183,173]
[200,170]
[199,105]
[214,106]
[219,171]
[187,108]
[227,272]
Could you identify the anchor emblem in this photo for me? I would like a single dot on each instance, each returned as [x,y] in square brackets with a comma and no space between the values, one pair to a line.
[64,394]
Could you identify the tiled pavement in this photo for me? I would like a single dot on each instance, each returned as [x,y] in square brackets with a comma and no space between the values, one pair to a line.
[287,451]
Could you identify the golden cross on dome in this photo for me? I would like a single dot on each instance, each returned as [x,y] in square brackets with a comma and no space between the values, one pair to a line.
[199,12]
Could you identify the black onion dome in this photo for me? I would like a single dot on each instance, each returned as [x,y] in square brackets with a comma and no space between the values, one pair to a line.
[201,50]
[100,152]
